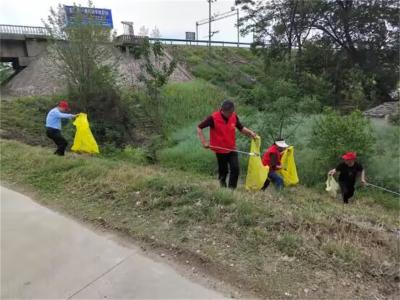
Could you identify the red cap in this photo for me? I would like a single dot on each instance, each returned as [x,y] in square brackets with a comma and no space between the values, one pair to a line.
[350,156]
[63,104]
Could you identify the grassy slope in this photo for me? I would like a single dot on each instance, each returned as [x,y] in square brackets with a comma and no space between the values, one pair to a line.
[277,243]
[299,242]
[233,69]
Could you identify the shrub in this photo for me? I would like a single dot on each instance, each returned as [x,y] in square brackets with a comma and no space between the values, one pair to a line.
[332,135]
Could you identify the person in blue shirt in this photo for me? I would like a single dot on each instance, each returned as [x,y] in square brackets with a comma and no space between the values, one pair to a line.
[53,126]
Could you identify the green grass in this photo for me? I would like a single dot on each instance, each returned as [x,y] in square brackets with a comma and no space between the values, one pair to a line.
[342,251]
[232,69]
[289,243]
[187,154]
[186,102]
[167,207]
[24,119]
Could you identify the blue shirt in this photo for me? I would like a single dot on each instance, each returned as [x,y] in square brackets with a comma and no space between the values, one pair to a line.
[53,119]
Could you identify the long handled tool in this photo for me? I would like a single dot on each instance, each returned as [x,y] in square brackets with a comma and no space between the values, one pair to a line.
[238,151]
[383,189]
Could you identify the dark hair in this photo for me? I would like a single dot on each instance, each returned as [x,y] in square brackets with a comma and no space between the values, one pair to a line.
[227,105]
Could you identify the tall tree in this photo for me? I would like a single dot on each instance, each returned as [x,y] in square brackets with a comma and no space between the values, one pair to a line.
[83,52]
[155,33]
[367,31]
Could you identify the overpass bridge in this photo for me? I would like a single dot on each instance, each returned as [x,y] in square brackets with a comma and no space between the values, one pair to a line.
[20,45]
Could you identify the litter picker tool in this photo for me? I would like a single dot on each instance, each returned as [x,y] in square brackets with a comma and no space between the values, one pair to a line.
[383,189]
[238,151]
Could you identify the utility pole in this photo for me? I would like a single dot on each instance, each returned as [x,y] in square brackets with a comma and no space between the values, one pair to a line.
[209,23]
[217,17]
[238,31]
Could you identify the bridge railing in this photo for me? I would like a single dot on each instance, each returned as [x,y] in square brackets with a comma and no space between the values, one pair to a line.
[133,39]
[23,30]
[199,42]
[123,39]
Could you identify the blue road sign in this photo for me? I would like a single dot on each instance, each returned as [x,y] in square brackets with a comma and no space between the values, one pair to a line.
[100,15]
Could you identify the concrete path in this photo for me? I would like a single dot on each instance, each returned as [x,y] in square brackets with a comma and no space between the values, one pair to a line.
[46,255]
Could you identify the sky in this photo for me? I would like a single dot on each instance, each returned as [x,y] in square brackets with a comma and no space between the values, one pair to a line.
[172,17]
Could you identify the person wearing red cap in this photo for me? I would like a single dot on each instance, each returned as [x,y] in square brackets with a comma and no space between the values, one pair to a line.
[349,170]
[53,126]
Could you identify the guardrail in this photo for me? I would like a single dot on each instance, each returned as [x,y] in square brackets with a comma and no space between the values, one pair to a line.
[199,42]
[23,30]
[42,31]
[135,39]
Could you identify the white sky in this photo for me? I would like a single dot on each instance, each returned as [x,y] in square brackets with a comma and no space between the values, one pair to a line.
[172,17]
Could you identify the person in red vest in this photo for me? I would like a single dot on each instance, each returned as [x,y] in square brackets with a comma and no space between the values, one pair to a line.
[223,124]
[272,158]
[349,170]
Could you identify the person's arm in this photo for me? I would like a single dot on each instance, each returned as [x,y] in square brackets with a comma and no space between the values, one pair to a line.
[208,122]
[363,181]
[246,131]
[202,138]
[65,116]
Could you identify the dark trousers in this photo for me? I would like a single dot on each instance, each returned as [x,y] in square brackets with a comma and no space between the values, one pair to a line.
[347,189]
[275,178]
[228,163]
[58,139]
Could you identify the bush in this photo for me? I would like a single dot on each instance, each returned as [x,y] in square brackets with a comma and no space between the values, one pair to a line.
[332,135]
[383,169]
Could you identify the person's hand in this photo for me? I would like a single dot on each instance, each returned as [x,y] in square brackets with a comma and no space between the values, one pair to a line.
[278,167]
[364,182]
[206,145]
[331,172]
[253,135]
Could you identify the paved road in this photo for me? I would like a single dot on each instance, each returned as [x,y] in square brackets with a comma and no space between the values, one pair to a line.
[46,255]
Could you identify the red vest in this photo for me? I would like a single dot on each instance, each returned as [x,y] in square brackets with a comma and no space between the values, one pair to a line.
[223,134]
[266,160]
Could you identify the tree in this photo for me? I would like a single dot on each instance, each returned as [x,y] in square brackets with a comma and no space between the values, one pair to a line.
[155,33]
[143,31]
[367,32]
[333,135]
[155,72]
[84,52]
[285,23]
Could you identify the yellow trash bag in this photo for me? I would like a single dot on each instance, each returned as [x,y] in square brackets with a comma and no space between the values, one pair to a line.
[332,187]
[84,141]
[289,170]
[257,173]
